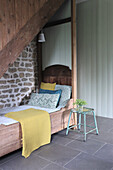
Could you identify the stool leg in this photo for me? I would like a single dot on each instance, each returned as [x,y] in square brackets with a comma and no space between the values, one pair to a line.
[84,127]
[79,127]
[95,122]
[68,123]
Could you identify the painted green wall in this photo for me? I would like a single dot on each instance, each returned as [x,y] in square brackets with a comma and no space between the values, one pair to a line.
[57,48]
[95,55]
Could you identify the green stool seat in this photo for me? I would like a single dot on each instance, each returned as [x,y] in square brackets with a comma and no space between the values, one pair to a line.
[85,112]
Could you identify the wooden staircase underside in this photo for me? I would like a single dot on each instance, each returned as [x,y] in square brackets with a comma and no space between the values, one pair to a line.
[21,39]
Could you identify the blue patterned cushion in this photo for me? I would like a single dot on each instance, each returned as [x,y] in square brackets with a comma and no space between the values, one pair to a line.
[66,92]
[52,92]
[44,100]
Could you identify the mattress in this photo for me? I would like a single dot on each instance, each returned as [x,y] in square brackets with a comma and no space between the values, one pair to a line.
[7,121]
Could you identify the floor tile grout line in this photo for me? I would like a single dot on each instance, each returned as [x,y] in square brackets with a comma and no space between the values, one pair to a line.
[76,149]
[99,148]
[68,143]
[51,162]
[101,140]
[45,159]
[47,165]
[72,159]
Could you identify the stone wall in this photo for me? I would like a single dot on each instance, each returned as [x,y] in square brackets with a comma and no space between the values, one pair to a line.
[21,78]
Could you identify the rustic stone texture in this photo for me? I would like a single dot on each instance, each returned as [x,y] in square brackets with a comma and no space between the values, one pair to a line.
[14,85]
[16,64]
[21,75]
[19,81]
[2,81]
[1,106]
[28,65]
[11,81]
[24,79]
[2,101]
[17,94]
[16,90]
[12,70]
[24,54]
[3,96]
[21,69]
[4,87]
[7,105]
[30,70]
[24,90]
[11,95]
[22,64]
[15,75]
[7,91]
[27,84]
[28,75]
[6,76]
[31,79]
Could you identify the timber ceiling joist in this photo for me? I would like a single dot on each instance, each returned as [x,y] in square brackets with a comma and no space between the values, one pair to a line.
[25,35]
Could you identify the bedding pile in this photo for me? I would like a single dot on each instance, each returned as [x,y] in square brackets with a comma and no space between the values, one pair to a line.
[36,129]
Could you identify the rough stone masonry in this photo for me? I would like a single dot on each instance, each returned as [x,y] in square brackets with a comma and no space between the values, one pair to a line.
[21,78]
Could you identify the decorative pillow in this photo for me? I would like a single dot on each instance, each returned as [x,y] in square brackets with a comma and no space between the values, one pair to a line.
[48,86]
[52,92]
[66,92]
[44,100]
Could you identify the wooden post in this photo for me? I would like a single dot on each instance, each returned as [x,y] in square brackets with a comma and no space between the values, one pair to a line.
[39,51]
[74,52]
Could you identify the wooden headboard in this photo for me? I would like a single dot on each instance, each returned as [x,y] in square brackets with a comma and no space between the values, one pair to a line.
[59,74]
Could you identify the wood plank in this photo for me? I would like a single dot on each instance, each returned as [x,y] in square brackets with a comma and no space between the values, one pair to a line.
[1,27]
[74,52]
[3,5]
[27,33]
[18,15]
[25,11]
[10,17]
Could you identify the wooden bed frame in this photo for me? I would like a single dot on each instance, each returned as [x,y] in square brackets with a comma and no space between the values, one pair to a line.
[11,135]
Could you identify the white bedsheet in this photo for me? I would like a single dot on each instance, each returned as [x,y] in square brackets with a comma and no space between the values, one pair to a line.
[7,121]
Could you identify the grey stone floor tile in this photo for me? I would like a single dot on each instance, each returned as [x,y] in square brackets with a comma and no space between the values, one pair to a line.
[90,146]
[53,166]
[103,136]
[42,148]
[111,130]
[105,125]
[106,152]
[71,135]
[61,140]
[88,162]
[59,154]
[10,156]
[20,163]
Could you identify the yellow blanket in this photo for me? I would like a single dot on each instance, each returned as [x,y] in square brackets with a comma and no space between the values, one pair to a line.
[36,129]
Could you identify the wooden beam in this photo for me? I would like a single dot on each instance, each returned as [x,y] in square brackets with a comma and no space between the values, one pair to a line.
[74,52]
[12,50]
[58,22]
[39,51]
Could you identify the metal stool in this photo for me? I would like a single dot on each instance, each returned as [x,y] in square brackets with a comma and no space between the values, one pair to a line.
[84,113]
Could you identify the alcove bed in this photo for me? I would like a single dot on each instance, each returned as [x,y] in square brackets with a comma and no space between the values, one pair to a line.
[11,135]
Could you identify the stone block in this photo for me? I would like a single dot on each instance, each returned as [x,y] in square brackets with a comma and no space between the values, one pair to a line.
[21,75]
[24,89]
